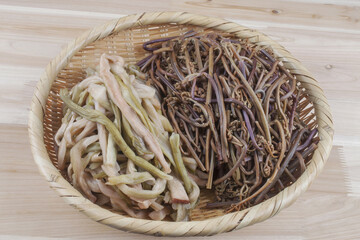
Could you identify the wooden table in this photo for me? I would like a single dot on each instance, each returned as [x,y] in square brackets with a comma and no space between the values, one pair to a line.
[323,34]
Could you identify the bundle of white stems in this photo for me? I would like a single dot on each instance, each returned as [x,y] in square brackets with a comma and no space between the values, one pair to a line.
[119,150]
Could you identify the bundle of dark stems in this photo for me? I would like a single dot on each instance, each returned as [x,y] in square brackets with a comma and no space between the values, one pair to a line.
[235,108]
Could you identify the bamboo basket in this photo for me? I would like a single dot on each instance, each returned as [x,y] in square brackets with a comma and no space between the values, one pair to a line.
[125,37]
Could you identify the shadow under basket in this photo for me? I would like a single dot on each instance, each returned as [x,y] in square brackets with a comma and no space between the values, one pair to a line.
[125,37]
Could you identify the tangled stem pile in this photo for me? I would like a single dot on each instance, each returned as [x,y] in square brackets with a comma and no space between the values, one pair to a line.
[235,109]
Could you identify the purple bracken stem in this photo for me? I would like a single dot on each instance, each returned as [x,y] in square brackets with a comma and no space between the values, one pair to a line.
[186,35]
[193,89]
[292,114]
[232,41]
[221,106]
[221,204]
[308,140]
[165,81]
[272,80]
[251,133]
[202,99]
[175,66]
[267,55]
[252,73]
[144,60]
[242,68]
[286,90]
[242,105]
[145,45]
[271,107]
[214,86]
[293,136]
[192,111]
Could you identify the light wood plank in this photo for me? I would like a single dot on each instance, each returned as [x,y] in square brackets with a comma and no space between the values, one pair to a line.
[342,15]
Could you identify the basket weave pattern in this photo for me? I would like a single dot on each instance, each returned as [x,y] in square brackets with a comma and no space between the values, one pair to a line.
[125,37]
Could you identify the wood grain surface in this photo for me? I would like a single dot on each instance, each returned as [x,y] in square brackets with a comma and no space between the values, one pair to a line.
[323,34]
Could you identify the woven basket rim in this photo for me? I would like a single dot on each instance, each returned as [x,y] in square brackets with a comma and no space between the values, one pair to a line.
[227,222]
